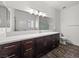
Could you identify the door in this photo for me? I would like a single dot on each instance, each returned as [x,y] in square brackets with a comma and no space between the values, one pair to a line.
[70,24]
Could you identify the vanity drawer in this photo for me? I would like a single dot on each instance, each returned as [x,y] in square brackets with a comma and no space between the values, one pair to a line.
[27,48]
[9,50]
[27,44]
[11,56]
[28,53]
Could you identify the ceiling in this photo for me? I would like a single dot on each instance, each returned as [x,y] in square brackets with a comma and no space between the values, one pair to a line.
[55,4]
[43,6]
[61,4]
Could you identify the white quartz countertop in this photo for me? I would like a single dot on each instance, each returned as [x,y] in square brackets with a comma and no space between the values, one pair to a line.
[25,37]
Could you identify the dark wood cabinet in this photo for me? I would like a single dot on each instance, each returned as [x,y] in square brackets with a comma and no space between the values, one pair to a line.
[39,44]
[29,48]
[45,44]
[9,50]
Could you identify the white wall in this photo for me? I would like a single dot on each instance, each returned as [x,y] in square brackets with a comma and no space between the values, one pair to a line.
[11,28]
[2,30]
[57,20]
[70,24]
[23,5]
[54,22]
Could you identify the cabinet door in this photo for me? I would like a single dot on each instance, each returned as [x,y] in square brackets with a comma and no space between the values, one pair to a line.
[54,40]
[41,46]
[1,51]
[45,44]
[48,43]
[57,40]
[38,46]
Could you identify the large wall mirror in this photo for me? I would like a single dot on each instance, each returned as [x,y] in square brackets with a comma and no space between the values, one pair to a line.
[23,22]
[43,23]
[4,17]
[4,21]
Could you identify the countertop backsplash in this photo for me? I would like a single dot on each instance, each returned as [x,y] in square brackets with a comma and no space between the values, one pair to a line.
[14,33]
[2,33]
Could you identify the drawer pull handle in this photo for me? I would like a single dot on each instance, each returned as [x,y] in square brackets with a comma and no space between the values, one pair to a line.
[9,46]
[11,56]
[29,42]
[28,49]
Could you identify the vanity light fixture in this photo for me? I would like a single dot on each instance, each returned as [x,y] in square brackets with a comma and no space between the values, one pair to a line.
[44,14]
[30,10]
[40,13]
[36,12]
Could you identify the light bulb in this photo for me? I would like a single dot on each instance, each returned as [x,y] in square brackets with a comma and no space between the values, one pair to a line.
[40,13]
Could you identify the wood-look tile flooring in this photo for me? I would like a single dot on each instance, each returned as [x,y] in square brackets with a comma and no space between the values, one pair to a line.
[63,51]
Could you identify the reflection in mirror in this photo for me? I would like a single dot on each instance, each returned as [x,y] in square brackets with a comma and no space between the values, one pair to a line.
[43,23]
[4,21]
[4,17]
[24,21]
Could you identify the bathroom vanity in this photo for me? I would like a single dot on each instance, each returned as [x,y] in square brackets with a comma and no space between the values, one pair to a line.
[28,46]
[17,42]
